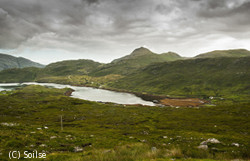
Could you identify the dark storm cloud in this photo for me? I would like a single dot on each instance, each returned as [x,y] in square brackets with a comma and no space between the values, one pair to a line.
[224,8]
[91,1]
[96,26]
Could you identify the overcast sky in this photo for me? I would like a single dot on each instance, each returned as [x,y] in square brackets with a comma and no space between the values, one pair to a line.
[51,30]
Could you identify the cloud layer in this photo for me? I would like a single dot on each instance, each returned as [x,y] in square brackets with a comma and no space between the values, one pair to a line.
[107,29]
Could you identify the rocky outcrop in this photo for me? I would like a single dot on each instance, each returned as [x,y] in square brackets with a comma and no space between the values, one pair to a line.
[204,145]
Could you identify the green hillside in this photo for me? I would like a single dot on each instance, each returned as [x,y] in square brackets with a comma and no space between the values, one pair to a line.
[69,67]
[17,75]
[145,71]
[8,61]
[59,72]
[225,53]
[192,77]
[139,58]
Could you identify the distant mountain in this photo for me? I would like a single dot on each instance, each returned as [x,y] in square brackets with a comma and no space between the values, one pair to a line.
[146,56]
[139,58]
[8,61]
[217,73]
[225,53]
[69,67]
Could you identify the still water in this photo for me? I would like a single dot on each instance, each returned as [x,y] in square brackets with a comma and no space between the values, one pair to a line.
[88,93]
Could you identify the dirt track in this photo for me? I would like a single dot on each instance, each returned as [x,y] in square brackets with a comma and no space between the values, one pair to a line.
[187,102]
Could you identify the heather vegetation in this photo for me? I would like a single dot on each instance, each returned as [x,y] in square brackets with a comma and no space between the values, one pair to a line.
[30,119]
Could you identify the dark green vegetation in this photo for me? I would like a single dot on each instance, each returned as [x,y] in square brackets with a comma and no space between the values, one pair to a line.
[220,77]
[18,75]
[118,132]
[7,62]
[225,53]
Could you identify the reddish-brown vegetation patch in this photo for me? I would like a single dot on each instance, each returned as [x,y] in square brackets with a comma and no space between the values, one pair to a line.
[183,102]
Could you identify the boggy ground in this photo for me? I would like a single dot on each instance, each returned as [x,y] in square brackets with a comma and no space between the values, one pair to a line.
[183,102]
[30,119]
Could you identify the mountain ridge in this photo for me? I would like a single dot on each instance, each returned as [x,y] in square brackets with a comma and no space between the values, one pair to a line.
[9,61]
[137,53]
[140,52]
[140,57]
[70,67]
[224,53]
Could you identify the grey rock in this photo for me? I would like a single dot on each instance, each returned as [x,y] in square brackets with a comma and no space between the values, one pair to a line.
[107,151]
[153,149]
[155,101]
[43,145]
[210,140]
[204,147]
[53,137]
[78,149]
[236,144]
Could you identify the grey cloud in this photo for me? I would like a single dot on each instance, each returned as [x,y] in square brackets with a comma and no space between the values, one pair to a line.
[213,4]
[82,25]
[163,9]
[91,1]
[244,8]
[14,31]
[223,8]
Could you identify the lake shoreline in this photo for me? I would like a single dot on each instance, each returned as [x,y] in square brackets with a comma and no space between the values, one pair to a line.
[89,93]
[158,100]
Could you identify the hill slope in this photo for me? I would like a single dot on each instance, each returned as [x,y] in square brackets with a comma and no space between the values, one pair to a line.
[197,77]
[139,58]
[225,53]
[16,75]
[69,67]
[144,71]
[8,61]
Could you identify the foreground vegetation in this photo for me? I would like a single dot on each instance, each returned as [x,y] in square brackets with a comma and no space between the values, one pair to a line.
[30,119]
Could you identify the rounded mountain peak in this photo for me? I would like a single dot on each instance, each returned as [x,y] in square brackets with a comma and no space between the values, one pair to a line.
[141,51]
